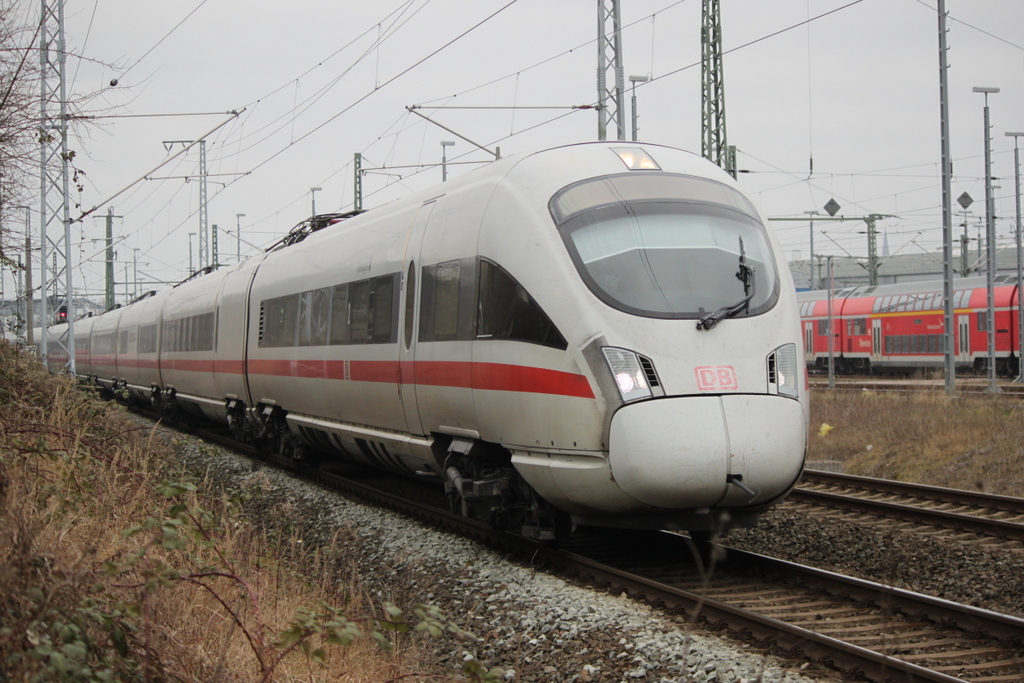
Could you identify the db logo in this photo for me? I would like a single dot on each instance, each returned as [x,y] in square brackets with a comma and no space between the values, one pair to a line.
[716,378]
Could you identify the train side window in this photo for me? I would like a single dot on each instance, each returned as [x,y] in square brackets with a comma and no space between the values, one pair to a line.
[204,332]
[103,344]
[448,310]
[919,302]
[279,321]
[340,316]
[507,311]
[982,321]
[165,340]
[446,300]
[410,303]
[359,311]
[823,327]
[305,306]
[147,339]
[314,316]
[383,309]
[122,341]
[888,345]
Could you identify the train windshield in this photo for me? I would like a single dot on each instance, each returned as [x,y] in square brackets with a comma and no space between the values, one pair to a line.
[662,245]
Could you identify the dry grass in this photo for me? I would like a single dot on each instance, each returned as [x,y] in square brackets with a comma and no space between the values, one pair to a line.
[193,593]
[970,441]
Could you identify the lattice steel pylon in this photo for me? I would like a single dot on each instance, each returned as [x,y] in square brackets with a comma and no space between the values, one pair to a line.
[205,256]
[54,158]
[714,145]
[611,106]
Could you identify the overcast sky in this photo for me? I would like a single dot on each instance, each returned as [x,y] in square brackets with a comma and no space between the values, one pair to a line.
[853,84]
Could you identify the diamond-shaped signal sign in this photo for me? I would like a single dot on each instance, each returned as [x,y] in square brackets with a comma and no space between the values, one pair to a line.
[964,200]
[832,207]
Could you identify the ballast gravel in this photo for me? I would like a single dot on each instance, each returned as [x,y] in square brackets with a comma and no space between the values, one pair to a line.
[535,626]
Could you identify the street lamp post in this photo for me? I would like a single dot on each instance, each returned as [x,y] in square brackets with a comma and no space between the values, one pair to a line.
[990,244]
[634,80]
[1020,260]
[444,158]
[312,195]
[238,242]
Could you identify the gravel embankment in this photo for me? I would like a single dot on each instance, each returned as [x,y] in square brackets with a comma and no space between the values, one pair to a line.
[537,627]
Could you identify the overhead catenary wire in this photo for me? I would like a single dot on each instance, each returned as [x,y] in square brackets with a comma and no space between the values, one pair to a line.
[166,36]
[239,123]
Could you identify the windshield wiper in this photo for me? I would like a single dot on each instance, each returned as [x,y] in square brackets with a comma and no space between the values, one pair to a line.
[744,275]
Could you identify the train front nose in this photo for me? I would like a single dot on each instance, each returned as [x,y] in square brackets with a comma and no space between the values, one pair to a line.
[705,451]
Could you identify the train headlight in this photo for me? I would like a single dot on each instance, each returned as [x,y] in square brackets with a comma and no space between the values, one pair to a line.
[636,159]
[783,372]
[629,375]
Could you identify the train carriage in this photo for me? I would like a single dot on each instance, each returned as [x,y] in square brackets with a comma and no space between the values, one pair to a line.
[598,333]
[900,328]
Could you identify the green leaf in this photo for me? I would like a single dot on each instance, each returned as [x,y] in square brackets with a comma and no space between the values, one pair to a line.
[382,640]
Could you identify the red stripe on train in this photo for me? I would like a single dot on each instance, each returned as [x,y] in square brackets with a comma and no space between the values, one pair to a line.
[465,375]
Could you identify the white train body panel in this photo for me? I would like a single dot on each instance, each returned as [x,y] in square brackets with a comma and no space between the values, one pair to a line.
[546,305]
[232,319]
[102,348]
[139,367]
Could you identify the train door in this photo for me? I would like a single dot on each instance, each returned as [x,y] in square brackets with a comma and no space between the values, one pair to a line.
[876,340]
[963,344]
[809,342]
[409,318]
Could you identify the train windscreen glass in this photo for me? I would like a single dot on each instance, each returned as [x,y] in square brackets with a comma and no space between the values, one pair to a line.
[666,246]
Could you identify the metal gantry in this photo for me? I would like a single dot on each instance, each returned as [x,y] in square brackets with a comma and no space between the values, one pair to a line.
[54,162]
[204,229]
[872,232]
[611,107]
[714,143]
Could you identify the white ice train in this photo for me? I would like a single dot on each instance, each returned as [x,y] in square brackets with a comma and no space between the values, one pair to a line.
[598,333]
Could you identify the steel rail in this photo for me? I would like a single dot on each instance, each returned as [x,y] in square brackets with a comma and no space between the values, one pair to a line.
[936,493]
[956,521]
[981,522]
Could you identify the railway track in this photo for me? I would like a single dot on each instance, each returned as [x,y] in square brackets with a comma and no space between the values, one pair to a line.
[1000,517]
[860,628]
[970,386]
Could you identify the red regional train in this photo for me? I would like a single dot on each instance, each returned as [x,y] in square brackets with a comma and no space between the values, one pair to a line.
[899,328]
